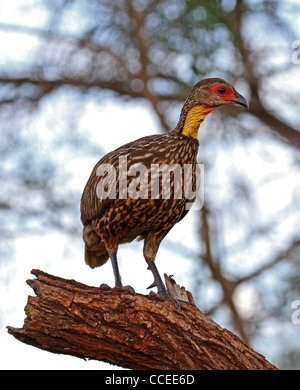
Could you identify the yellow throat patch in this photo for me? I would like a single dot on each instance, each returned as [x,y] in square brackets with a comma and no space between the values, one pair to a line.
[194,117]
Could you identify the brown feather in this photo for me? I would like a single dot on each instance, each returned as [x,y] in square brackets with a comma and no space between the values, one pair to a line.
[110,222]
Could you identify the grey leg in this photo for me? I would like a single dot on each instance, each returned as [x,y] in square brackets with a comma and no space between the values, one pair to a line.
[162,291]
[114,262]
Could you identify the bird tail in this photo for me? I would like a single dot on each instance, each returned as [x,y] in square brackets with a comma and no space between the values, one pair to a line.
[95,258]
[95,251]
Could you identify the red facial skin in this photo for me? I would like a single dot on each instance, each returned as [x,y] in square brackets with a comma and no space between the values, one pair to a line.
[227,95]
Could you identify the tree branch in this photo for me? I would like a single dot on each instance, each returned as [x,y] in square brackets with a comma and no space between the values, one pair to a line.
[134,331]
[277,127]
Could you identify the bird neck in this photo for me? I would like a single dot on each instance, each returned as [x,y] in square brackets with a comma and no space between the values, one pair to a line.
[193,118]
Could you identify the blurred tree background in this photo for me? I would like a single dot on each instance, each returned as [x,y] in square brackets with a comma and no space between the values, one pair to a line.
[67,59]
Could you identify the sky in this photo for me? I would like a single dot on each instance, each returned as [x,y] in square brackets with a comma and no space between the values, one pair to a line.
[40,251]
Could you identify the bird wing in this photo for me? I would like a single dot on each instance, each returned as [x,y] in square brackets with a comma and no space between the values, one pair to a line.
[93,206]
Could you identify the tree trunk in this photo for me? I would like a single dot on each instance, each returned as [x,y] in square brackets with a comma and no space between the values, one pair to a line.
[115,325]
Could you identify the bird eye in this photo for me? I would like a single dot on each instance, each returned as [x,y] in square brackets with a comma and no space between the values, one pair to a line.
[221,90]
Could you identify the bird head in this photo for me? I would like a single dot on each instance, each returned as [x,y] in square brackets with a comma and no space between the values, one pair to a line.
[204,97]
[215,92]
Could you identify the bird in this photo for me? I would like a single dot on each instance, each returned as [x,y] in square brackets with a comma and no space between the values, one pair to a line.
[119,205]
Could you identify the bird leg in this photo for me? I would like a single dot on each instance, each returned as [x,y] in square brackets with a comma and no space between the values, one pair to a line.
[162,291]
[114,262]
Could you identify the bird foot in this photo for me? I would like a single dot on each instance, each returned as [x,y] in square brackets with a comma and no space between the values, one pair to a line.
[162,291]
[130,289]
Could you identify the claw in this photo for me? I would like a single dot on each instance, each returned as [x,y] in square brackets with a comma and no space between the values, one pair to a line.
[129,289]
[104,286]
[152,285]
[177,304]
[152,294]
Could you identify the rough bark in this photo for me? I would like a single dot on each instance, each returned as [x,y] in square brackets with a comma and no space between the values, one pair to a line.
[130,330]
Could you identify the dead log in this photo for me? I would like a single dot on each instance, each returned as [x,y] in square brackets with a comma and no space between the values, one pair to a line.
[130,330]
